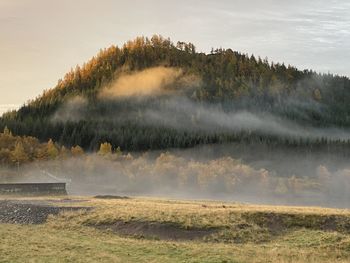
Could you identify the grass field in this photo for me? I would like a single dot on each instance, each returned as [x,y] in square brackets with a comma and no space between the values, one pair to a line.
[159,230]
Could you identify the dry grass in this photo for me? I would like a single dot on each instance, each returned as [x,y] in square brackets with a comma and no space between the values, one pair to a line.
[245,234]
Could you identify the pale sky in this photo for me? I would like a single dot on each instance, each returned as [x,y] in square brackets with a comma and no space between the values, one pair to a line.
[40,40]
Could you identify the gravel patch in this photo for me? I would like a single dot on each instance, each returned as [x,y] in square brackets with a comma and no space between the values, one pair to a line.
[16,212]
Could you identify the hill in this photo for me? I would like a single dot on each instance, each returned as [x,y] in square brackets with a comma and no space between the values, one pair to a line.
[154,94]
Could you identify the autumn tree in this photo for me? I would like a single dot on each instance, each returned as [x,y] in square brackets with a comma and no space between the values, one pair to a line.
[105,149]
[64,152]
[5,157]
[41,153]
[18,154]
[52,149]
[77,151]
[118,151]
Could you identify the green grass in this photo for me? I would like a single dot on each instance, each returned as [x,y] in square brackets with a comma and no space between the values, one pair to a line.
[244,234]
[46,244]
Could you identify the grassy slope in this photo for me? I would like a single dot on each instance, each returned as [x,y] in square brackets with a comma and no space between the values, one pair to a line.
[67,238]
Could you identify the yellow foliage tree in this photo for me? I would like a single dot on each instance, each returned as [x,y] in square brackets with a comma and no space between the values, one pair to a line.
[105,149]
[18,154]
[41,153]
[5,156]
[52,150]
[118,151]
[77,151]
[64,153]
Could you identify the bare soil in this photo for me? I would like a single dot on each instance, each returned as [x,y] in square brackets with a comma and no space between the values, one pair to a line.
[156,230]
[278,222]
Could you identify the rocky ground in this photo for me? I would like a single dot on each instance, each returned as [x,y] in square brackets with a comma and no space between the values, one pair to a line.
[29,212]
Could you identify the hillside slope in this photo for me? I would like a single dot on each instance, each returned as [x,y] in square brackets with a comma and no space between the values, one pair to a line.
[153,94]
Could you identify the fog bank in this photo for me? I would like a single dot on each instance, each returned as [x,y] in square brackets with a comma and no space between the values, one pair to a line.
[210,172]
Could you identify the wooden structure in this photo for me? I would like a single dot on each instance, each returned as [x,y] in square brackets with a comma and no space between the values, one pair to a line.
[33,189]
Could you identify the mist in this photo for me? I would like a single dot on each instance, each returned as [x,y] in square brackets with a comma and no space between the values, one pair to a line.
[166,97]
[152,81]
[216,172]
[72,110]
[181,113]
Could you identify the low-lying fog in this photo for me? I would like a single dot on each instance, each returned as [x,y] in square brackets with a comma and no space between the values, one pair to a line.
[226,172]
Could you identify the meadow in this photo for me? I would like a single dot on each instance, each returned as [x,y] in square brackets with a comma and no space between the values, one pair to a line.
[164,230]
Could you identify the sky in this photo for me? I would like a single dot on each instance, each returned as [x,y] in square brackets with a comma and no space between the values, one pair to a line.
[40,40]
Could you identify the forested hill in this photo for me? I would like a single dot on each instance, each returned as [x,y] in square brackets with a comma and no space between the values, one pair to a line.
[152,94]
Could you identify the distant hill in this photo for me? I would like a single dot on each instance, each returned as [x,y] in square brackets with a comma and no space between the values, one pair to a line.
[153,94]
